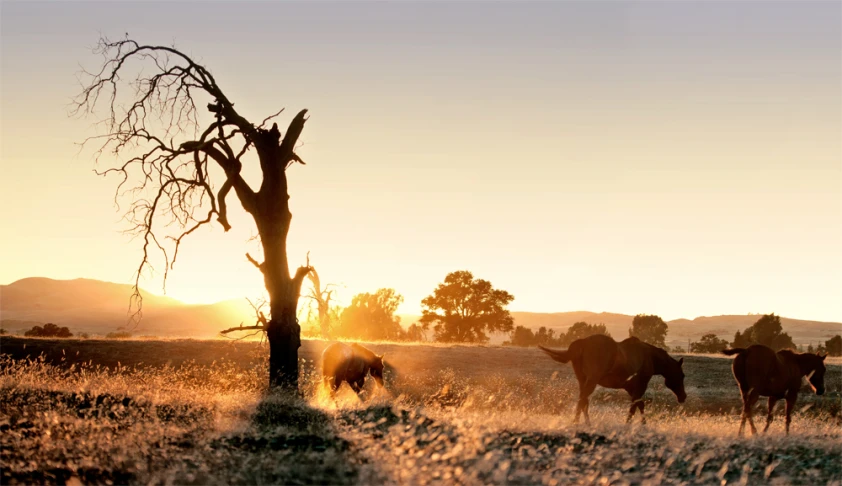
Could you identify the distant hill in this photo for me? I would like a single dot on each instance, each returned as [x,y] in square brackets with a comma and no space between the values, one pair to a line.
[98,307]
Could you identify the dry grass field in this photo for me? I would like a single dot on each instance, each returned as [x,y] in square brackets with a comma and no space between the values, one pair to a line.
[197,412]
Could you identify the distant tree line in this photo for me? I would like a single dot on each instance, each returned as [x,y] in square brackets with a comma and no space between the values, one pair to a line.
[833,346]
[522,336]
[49,330]
[767,331]
[462,309]
[465,309]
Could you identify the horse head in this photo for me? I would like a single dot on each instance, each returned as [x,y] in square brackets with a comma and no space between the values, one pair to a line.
[812,365]
[674,378]
[376,368]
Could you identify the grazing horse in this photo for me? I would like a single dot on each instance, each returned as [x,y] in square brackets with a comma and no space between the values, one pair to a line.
[350,363]
[760,371]
[629,364]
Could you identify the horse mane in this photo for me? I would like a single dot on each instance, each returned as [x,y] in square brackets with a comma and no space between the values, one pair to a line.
[661,355]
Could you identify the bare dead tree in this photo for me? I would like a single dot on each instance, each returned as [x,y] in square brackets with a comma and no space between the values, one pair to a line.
[168,155]
[322,297]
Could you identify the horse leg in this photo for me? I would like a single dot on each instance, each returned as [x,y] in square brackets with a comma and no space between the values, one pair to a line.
[749,397]
[752,400]
[632,409]
[790,404]
[585,390]
[330,384]
[772,402]
[637,404]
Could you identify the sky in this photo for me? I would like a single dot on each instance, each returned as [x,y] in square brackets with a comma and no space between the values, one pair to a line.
[681,159]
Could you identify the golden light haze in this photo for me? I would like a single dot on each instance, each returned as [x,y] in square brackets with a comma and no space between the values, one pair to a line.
[678,159]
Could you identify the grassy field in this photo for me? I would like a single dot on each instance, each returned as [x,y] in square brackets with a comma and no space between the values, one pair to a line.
[197,412]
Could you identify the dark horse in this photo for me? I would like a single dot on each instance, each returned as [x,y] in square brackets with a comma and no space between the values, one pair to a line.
[759,371]
[629,364]
[350,363]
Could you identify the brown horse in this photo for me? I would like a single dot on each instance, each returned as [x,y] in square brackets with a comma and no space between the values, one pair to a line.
[760,371]
[629,364]
[350,363]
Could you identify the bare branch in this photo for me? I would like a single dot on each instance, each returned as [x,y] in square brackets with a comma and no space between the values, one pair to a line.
[153,130]
[254,262]
[241,328]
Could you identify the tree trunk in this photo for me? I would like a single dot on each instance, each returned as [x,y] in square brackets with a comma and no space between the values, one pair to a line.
[282,331]
[272,217]
[284,340]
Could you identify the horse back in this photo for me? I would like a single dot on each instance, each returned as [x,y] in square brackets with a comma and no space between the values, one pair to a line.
[596,355]
[341,362]
[769,373]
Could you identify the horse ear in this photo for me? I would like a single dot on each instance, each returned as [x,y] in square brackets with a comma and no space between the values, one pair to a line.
[681,362]
[823,357]
[382,357]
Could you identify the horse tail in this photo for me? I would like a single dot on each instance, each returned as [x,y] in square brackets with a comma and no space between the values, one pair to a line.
[733,351]
[560,356]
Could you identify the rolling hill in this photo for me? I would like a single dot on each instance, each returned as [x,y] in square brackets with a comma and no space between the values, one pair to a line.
[99,307]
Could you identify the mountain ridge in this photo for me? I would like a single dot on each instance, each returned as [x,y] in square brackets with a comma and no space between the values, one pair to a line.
[96,306]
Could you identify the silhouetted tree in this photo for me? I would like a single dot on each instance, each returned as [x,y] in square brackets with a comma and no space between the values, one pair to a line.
[372,317]
[321,296]
[49,330]
[767,331]
[742,340]
[521,336]
[580,330]
[649,329]
[833,346]
[415,333]
[709,343]
[463,309]
[180,165]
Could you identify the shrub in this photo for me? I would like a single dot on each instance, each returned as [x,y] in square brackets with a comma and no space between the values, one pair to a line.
[118,335]
[49,330]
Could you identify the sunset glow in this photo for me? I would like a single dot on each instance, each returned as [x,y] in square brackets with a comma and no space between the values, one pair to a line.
[681,159]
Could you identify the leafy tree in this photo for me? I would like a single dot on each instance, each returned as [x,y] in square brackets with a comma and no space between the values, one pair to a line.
[742,340]
[180,166]
[545,336]
[580,330]
[709,343]
[649,329]
[49,330]
[521,336]
[834,345]
[767,331]
[415,333]
[372,317]
[464,309]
